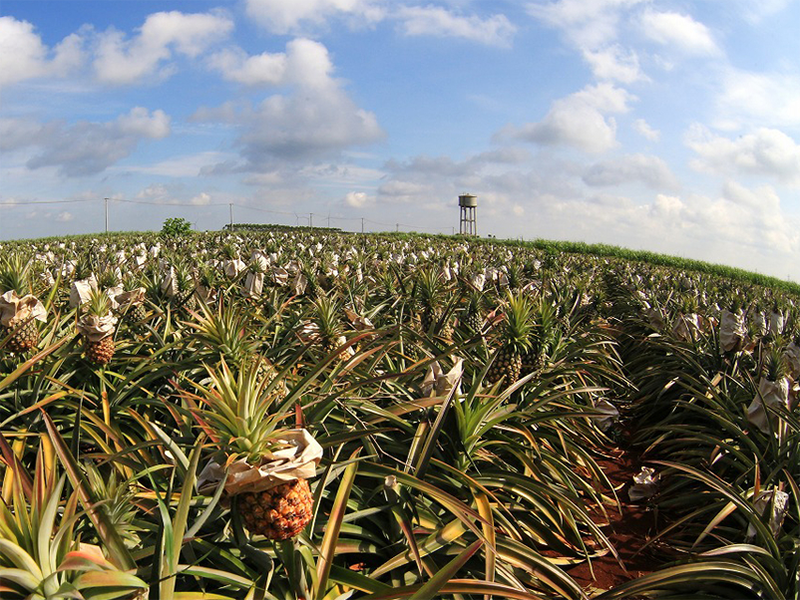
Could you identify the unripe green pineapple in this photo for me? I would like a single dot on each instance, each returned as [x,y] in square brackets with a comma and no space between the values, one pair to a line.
[514,340]
[542,335]
[328,322]
[185,298]
[428,295]
[472,314]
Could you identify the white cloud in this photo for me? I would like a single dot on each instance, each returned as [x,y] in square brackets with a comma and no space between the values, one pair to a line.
[201,199]
[759,98]
[282,17]
[305,63]
[65,217]
[643,128]
[23,55]
[358,199]
[125,61]
[316,119]
[579,120]
[86,148]
[679,31]
[755,12]
[652,171]
[614,63]
[263,69]
[589,24]
[155,192]
[495,30]
[766,152]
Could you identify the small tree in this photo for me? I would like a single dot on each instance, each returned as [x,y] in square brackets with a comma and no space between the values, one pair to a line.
[176,226]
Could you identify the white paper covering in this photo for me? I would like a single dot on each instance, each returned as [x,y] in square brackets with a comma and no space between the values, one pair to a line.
[297,460]
[20,309]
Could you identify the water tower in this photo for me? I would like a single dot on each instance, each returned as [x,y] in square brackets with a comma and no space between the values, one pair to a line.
[469,206]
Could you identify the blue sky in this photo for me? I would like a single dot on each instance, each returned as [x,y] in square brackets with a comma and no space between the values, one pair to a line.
[671,126]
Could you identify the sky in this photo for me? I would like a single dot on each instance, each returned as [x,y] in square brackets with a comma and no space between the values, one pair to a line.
[663,125]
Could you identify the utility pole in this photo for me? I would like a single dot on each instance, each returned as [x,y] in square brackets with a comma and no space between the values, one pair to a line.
[310,220]
[106,203]
[230,207]
[362,224]
[397,227]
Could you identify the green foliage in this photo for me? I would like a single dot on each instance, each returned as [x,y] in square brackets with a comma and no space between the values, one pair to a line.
[176,226]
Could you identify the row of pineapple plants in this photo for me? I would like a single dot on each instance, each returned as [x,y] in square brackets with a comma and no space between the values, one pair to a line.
[446,405]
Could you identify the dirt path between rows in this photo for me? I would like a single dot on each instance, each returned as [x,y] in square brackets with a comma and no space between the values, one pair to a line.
[628,530]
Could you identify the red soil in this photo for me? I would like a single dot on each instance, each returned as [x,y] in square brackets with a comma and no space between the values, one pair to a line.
[628,531]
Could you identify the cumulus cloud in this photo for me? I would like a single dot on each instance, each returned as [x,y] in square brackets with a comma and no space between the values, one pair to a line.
[358,199]
[579,120]
[643,128]
[437,21]
[651,171]
[201,199]
[279,16]
[119,60]
[299,16]
[679,31]
[765,98]
[766,152]
[589,24]
[65,217]
[614,63]
[23,55]
[236,65]
[316,119]
[86,148]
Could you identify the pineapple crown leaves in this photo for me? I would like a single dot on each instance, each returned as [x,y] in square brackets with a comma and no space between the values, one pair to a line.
[327,317]
[429,288]
[99,303]
[15,275]
[774,365]
[240,411]
[518,322]
[224,331]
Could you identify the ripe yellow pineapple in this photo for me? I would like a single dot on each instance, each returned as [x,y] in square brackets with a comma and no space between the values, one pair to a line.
[265,467]
[19,308]
[96,325]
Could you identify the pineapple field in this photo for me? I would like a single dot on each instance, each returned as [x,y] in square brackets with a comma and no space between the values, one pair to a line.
[286,414]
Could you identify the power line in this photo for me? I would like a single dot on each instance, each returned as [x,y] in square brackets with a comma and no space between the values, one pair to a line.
[230,206]
[37,202]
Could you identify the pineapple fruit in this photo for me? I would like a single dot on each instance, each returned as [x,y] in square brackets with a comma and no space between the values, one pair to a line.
[514,340]
[266,467]
[97,325]
[472,315]
[542,334]
[19,308]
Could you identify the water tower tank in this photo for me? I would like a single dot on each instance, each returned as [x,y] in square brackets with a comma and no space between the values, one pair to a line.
[468,205]
[468,201]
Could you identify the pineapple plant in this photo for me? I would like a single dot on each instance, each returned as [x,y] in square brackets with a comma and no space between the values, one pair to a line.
[514,339]
[472,313]
[97,324]
[266,467]
[184,298]
[542,335]
[429,295]
[19,308]
[130,303]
